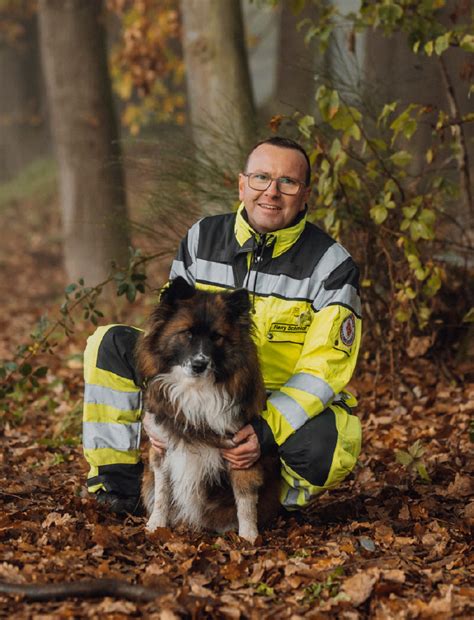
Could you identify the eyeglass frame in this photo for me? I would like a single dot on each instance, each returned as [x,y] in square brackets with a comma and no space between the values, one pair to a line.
[277,179]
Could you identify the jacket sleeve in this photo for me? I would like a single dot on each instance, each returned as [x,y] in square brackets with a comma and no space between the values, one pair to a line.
[326,363]
[185,263]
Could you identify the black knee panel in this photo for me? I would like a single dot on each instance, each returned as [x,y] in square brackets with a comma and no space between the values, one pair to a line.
[117,352]
[309,451]
[121,478]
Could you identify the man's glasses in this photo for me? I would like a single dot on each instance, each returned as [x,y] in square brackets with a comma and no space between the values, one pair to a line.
[261,181]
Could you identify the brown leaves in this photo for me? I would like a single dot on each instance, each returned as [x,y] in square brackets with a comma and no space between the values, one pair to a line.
[383,545]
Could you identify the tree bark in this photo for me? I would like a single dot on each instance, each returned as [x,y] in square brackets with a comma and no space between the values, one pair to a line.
[91,180]
[220,96]
[24,134]
[297,63]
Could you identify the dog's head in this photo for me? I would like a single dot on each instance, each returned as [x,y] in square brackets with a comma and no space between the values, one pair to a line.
[199,332]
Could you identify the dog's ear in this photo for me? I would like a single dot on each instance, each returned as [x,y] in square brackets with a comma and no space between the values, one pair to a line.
[238,303]
[178,289]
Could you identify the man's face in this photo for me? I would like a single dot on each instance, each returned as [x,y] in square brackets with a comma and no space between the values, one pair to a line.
[269,210]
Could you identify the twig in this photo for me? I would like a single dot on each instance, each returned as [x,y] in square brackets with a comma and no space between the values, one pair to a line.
[60,322]
[91,588]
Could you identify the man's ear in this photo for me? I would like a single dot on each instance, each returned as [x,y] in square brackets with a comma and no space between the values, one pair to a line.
[178,288]
[306,195]
[238,303]
[241,186]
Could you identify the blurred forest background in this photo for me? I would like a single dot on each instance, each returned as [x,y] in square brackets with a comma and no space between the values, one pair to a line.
[121,123]
[125,121]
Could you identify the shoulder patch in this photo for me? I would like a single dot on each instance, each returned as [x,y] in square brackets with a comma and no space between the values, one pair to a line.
[347,332]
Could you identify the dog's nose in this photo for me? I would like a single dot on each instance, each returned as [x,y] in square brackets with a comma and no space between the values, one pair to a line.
[199,364]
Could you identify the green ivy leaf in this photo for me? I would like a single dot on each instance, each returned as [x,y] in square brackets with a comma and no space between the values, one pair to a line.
[422,472]
[42,371]
[409,212]
[386,111]
[403,458]
[25,369]
[442,43]
[379,213]
[401,158]
[467,43]
[305,124]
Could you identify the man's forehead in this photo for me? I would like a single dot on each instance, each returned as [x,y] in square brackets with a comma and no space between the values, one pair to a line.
[267,154]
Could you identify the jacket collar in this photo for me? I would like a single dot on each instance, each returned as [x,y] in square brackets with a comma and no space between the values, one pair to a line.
[282,240]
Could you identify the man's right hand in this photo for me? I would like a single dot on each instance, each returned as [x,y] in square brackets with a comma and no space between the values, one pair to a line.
[158,444]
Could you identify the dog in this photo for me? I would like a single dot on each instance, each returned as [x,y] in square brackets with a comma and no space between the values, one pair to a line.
[204,384]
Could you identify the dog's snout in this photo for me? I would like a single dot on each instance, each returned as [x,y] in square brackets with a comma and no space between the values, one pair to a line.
[199,364]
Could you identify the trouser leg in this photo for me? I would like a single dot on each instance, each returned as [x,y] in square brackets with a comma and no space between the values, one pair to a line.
[112,411]
[319,455]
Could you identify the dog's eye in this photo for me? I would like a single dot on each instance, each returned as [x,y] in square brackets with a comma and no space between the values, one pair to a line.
[218,338]
[188,334]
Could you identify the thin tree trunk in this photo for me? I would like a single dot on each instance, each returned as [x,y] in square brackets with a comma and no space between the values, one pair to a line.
[23,124]
[83,122]
[218,81]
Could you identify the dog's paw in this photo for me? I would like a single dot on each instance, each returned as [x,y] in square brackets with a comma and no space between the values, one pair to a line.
[155,521]
[248,533]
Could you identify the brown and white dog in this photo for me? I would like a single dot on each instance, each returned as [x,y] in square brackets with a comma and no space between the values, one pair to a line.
[203,385]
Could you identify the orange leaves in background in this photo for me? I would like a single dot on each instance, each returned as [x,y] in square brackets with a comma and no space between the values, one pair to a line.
[146,63]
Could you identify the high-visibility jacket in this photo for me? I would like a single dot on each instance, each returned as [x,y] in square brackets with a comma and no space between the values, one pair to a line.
[306,311]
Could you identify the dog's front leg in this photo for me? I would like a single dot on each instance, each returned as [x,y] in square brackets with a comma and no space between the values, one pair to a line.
[161,500]
[245,485]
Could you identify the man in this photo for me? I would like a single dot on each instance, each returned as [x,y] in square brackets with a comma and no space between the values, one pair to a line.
[306,310]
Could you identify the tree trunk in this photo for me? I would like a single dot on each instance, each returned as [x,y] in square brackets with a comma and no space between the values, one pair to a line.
[297,63]
[23,124]
[218,81]
[91,181]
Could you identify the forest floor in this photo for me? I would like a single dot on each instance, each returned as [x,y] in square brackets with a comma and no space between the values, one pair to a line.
[386,544]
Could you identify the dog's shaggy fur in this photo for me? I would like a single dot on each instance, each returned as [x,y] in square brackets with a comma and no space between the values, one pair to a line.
[203,385]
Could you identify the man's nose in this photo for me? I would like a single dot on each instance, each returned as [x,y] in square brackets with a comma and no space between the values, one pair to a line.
[273,189]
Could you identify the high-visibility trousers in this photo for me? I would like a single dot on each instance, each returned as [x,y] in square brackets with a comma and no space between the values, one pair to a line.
[327,445]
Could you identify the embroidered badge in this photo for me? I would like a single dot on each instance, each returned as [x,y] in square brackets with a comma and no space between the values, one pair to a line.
[348,331]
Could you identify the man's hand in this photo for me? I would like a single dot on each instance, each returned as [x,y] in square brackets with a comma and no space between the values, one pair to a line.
[247,450]
[158,444]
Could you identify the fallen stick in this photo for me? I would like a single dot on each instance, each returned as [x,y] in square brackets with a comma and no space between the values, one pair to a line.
[91,588]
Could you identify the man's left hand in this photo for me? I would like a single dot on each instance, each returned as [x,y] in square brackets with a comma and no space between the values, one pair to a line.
[247,450]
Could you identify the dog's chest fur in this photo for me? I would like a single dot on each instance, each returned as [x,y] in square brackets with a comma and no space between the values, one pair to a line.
[192,466]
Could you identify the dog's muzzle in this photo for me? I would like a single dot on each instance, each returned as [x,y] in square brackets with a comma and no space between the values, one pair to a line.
[198,365]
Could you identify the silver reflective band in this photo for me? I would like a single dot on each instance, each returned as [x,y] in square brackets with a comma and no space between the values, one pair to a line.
[99,395]
[123,437]
[313,385]
[291,498]
[347,296]
[178,269]
[218,273]
[293,413]
[193,239]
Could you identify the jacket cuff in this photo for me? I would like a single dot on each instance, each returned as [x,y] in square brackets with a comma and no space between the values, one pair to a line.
[264,434]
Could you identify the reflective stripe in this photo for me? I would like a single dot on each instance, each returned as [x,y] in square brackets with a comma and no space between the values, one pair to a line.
[293,413]
[99,395]
[124,437]
[313,385]
[193,239]
[347,296]
[178,269]
[216,273]
[291,498]
[284,286]
[311,287]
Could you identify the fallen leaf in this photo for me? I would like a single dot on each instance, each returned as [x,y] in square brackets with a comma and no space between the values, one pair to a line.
[359,587]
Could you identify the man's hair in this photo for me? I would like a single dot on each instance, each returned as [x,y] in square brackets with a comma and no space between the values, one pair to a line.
[284,143]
